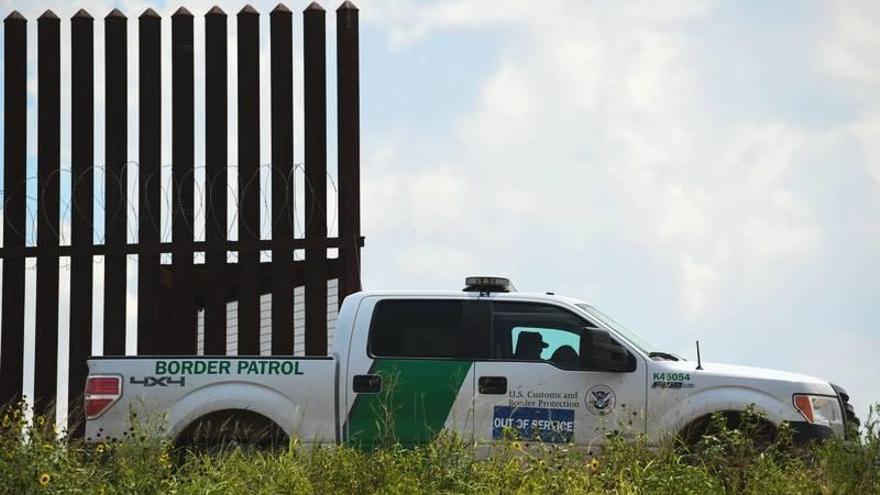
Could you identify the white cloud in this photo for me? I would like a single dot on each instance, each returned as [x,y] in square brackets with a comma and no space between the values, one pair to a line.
[867,131]
[849,51]
[852,42]
[599,124]
[699,284]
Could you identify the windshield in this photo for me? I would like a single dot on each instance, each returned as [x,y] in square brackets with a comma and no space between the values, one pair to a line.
[634,338]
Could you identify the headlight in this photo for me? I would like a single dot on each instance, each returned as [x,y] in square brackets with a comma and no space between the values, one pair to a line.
[818,409]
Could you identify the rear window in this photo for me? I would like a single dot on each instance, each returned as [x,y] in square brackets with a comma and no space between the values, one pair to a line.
[428,329]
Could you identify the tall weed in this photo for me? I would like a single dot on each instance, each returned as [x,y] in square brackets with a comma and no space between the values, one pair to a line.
[36,458]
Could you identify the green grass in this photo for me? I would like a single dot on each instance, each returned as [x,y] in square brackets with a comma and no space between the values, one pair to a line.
[34,459]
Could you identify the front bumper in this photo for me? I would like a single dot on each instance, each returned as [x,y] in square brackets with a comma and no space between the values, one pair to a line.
[804,433]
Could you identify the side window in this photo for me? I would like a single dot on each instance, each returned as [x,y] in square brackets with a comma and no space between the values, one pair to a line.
[429,329]
[552,341]
[530,332]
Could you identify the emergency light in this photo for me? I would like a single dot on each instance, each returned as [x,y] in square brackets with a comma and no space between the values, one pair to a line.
[485,285]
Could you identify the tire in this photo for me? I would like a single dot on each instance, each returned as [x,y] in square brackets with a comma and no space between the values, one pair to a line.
[759,430]
[224,431]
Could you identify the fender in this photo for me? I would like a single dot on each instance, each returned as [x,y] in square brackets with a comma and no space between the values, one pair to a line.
[721,398]
[235,395]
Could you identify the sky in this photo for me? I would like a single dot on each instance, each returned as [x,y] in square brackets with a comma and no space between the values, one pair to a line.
[699,170]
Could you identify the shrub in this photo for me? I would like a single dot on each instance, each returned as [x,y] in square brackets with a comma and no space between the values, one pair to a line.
[37,458]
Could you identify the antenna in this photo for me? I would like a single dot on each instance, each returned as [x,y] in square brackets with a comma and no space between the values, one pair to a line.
[699,362]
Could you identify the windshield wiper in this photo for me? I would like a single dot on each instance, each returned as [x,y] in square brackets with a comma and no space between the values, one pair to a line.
[664,355]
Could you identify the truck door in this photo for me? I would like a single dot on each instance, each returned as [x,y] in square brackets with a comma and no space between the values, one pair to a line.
[414,374]
[535,387]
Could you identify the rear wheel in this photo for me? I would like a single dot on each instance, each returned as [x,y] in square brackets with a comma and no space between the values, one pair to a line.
[223,431]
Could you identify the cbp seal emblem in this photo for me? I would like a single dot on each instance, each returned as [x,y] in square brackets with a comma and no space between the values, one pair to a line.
[600,400]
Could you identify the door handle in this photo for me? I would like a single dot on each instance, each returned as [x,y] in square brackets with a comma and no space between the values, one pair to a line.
[367,384]
[493,385]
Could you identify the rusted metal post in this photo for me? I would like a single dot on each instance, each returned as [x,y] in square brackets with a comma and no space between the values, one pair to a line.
[282,179]
[183,339]
[116,180]
[14,168]
[348,122]
[216,142]
[248,180]
[315,108]
[82,138]
[149,176]
[48,163]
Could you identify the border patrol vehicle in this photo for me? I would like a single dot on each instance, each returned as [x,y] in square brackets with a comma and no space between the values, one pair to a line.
[482,362]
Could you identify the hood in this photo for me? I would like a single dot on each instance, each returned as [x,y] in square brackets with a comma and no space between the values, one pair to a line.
[745,372]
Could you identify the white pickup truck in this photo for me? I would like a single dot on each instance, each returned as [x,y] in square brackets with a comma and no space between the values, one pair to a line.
[480,362]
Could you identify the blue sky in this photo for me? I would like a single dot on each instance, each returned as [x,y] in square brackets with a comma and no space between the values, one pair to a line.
[699,170]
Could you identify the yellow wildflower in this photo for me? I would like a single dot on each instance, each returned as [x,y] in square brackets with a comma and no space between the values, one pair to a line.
[165,459]
[45,479]
[594,464]
[100,448]
[517,446]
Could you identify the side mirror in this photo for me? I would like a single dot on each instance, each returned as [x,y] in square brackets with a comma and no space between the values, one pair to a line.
[600,352]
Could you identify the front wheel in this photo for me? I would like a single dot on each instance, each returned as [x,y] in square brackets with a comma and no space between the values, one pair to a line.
[727,427]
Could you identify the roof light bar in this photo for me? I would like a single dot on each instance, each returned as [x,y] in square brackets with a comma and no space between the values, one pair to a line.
[485,285]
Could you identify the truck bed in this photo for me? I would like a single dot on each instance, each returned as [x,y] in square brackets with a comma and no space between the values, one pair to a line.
[165,394]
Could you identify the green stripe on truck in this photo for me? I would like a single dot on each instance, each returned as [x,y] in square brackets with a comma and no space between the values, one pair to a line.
[416,397]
